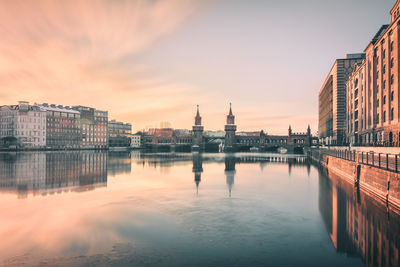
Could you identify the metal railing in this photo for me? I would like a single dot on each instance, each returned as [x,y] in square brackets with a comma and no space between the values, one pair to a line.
[385,161]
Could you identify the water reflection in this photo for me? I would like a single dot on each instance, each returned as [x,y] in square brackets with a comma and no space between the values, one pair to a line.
[230,172]
[359,225]
[197,170]
[119,163]
[39,173]
[255,208]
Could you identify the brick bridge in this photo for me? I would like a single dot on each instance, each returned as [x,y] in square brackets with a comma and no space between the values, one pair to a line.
[196,140]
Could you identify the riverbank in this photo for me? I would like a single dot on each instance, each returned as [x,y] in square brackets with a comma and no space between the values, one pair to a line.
[383,184]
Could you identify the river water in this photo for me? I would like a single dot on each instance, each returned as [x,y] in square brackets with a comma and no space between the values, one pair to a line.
[144,209]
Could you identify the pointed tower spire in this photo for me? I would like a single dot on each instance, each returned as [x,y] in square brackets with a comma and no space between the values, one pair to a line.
[230,119]
[197,119]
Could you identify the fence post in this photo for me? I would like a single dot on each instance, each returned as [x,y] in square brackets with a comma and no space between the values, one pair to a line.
[387,161]
[379,159]
[373,158]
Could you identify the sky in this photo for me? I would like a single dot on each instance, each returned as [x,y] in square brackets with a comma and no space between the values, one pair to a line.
[152,61]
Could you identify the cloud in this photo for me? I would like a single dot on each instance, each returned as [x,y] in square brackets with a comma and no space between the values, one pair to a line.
[83,52]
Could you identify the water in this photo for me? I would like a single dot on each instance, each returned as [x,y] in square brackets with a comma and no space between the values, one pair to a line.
[136,209]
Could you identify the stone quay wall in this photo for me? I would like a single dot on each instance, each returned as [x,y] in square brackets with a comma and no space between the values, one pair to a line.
[380,183]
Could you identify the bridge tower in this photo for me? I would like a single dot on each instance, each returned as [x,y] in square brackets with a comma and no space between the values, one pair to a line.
[197,144]
[230,131]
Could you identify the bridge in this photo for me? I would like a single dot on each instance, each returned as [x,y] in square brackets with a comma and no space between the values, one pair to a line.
[168,139]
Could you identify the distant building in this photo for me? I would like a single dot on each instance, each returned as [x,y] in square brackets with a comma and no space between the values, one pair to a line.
[332,100]
[136,141]
[217,134]
[120,134]
[22,125]
[93,124]
[62,129]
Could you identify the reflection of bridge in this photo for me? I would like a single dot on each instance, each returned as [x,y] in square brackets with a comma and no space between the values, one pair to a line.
[197,140]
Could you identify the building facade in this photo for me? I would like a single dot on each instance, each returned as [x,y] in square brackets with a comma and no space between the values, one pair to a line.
[332,101]
[136,141]
[22,125]
[119,134]
[62,127]
[93,124]
[373,88]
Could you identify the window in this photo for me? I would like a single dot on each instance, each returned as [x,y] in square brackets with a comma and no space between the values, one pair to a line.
[391,96]
[391,114]
[384,69]
[377,103]
[384,84]
[384,53]
[384,99]
[392,79]
[392,63]
[391,45]
[384,116]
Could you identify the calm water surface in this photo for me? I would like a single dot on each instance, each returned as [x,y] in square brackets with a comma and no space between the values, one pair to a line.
[137,209]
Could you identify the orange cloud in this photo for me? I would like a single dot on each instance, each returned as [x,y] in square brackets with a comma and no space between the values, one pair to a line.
[83,52]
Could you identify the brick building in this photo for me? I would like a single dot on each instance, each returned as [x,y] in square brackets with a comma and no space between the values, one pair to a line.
[373,90]
[62,129]
[93,124]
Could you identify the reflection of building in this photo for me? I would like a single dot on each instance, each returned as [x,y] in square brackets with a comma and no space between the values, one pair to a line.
[197,169]
[359,225]
[93,124]
[119,162]
[332,100]
[62,127]
[42,173]
[119,134]
[230,172]
[23,125]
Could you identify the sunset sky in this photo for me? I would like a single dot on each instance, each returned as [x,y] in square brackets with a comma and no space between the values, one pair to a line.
[152,61]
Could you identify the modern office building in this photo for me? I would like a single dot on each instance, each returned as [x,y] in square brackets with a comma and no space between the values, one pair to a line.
[93,124]
[332,101]
[374,89]
[22,126]
[62,129]
[119,134]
